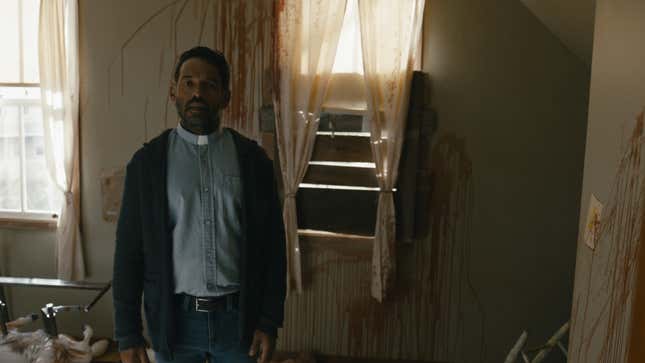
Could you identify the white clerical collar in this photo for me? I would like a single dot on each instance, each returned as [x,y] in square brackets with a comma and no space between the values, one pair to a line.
[197,139]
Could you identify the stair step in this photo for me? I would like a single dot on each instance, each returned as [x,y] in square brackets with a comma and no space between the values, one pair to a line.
[342,146]
[328,121]
[345,244]
[339,210]
[340,175]
[340,122]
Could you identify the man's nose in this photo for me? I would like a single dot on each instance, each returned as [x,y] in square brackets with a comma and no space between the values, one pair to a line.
[197,90]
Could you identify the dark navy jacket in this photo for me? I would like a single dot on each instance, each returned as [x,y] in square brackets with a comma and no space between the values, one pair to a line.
[143,253]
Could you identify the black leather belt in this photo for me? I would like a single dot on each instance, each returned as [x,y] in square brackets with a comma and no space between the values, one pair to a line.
[209,304]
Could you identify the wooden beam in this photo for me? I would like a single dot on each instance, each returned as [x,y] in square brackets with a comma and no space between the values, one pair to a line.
[420,126]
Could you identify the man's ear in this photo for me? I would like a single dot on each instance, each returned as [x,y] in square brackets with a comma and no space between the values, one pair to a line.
[172,91]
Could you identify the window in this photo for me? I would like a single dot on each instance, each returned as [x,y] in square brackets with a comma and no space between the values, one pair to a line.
[349,56]
[346,93]
[26,189]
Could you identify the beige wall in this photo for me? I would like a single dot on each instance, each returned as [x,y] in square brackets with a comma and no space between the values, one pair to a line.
[604,291]
[518,99]
[511,104]
[115,121]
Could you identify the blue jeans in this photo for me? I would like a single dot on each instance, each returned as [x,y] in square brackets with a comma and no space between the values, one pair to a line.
[209,336]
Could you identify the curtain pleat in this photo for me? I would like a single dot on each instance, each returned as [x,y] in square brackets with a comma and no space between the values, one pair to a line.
[306,39]
[390,32]
[59,84]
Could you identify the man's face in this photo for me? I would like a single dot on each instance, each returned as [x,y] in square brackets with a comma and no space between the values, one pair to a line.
[199,95]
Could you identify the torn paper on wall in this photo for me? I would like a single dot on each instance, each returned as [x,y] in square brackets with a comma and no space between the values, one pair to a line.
[111,191]
[592,224]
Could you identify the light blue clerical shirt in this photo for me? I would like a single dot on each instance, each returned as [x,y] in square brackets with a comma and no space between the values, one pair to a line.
[206,211]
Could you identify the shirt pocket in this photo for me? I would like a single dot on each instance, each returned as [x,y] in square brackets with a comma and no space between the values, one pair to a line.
[232,188]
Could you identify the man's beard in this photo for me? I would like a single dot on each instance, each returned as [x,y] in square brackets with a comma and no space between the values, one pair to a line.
[205,123]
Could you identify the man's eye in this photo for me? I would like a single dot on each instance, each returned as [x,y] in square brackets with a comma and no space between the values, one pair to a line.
[188,82]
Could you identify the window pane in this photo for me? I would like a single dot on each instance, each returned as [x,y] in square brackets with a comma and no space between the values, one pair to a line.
[30,12]
[10,59]
[9,120]
[10,192]
[23,105]
[32,119]
[349,56]
[41,196]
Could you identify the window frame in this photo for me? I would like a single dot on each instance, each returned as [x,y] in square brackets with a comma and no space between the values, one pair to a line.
[25,218]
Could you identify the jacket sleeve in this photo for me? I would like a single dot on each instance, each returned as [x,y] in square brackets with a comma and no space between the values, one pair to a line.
[272,310]
[127,277]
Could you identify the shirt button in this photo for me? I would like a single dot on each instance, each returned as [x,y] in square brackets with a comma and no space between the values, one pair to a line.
[210,286]
[205,190]
[208,221]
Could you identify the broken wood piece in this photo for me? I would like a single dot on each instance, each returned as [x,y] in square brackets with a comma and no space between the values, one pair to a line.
[517,348]
[551,343]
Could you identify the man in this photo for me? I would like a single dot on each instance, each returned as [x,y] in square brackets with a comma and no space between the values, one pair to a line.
[200,234]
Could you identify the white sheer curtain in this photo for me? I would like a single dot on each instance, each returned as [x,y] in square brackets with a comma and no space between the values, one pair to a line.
[306,40]
[390,32]
[58,65]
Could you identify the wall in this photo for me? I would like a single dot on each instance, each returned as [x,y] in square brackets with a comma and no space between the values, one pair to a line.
[507,165]
[571,21]
[506,162]
[605,277]
[127,55]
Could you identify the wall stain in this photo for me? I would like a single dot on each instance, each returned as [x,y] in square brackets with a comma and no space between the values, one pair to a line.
[450,229]
[424,318]
[242,30]
[613,264]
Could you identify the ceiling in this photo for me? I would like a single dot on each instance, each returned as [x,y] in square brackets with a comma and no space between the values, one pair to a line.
[572,21]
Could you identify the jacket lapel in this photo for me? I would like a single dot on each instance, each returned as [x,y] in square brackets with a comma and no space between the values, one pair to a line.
[242,148]
[156,165]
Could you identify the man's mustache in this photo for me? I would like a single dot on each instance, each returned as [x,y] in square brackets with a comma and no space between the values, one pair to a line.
[202,103]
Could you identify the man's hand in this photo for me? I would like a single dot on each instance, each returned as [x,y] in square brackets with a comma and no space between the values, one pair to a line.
[265,343]
[134,355]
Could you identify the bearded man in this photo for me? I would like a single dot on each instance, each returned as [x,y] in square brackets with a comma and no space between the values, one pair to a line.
[200,234]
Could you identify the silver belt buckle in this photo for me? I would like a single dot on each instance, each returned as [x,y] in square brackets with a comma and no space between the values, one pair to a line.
[197,308]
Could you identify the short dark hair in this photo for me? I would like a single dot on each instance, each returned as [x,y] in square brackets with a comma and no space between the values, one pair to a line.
[211,56]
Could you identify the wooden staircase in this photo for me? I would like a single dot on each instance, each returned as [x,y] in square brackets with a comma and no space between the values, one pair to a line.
[338,196]
[337,200]
[339,192]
